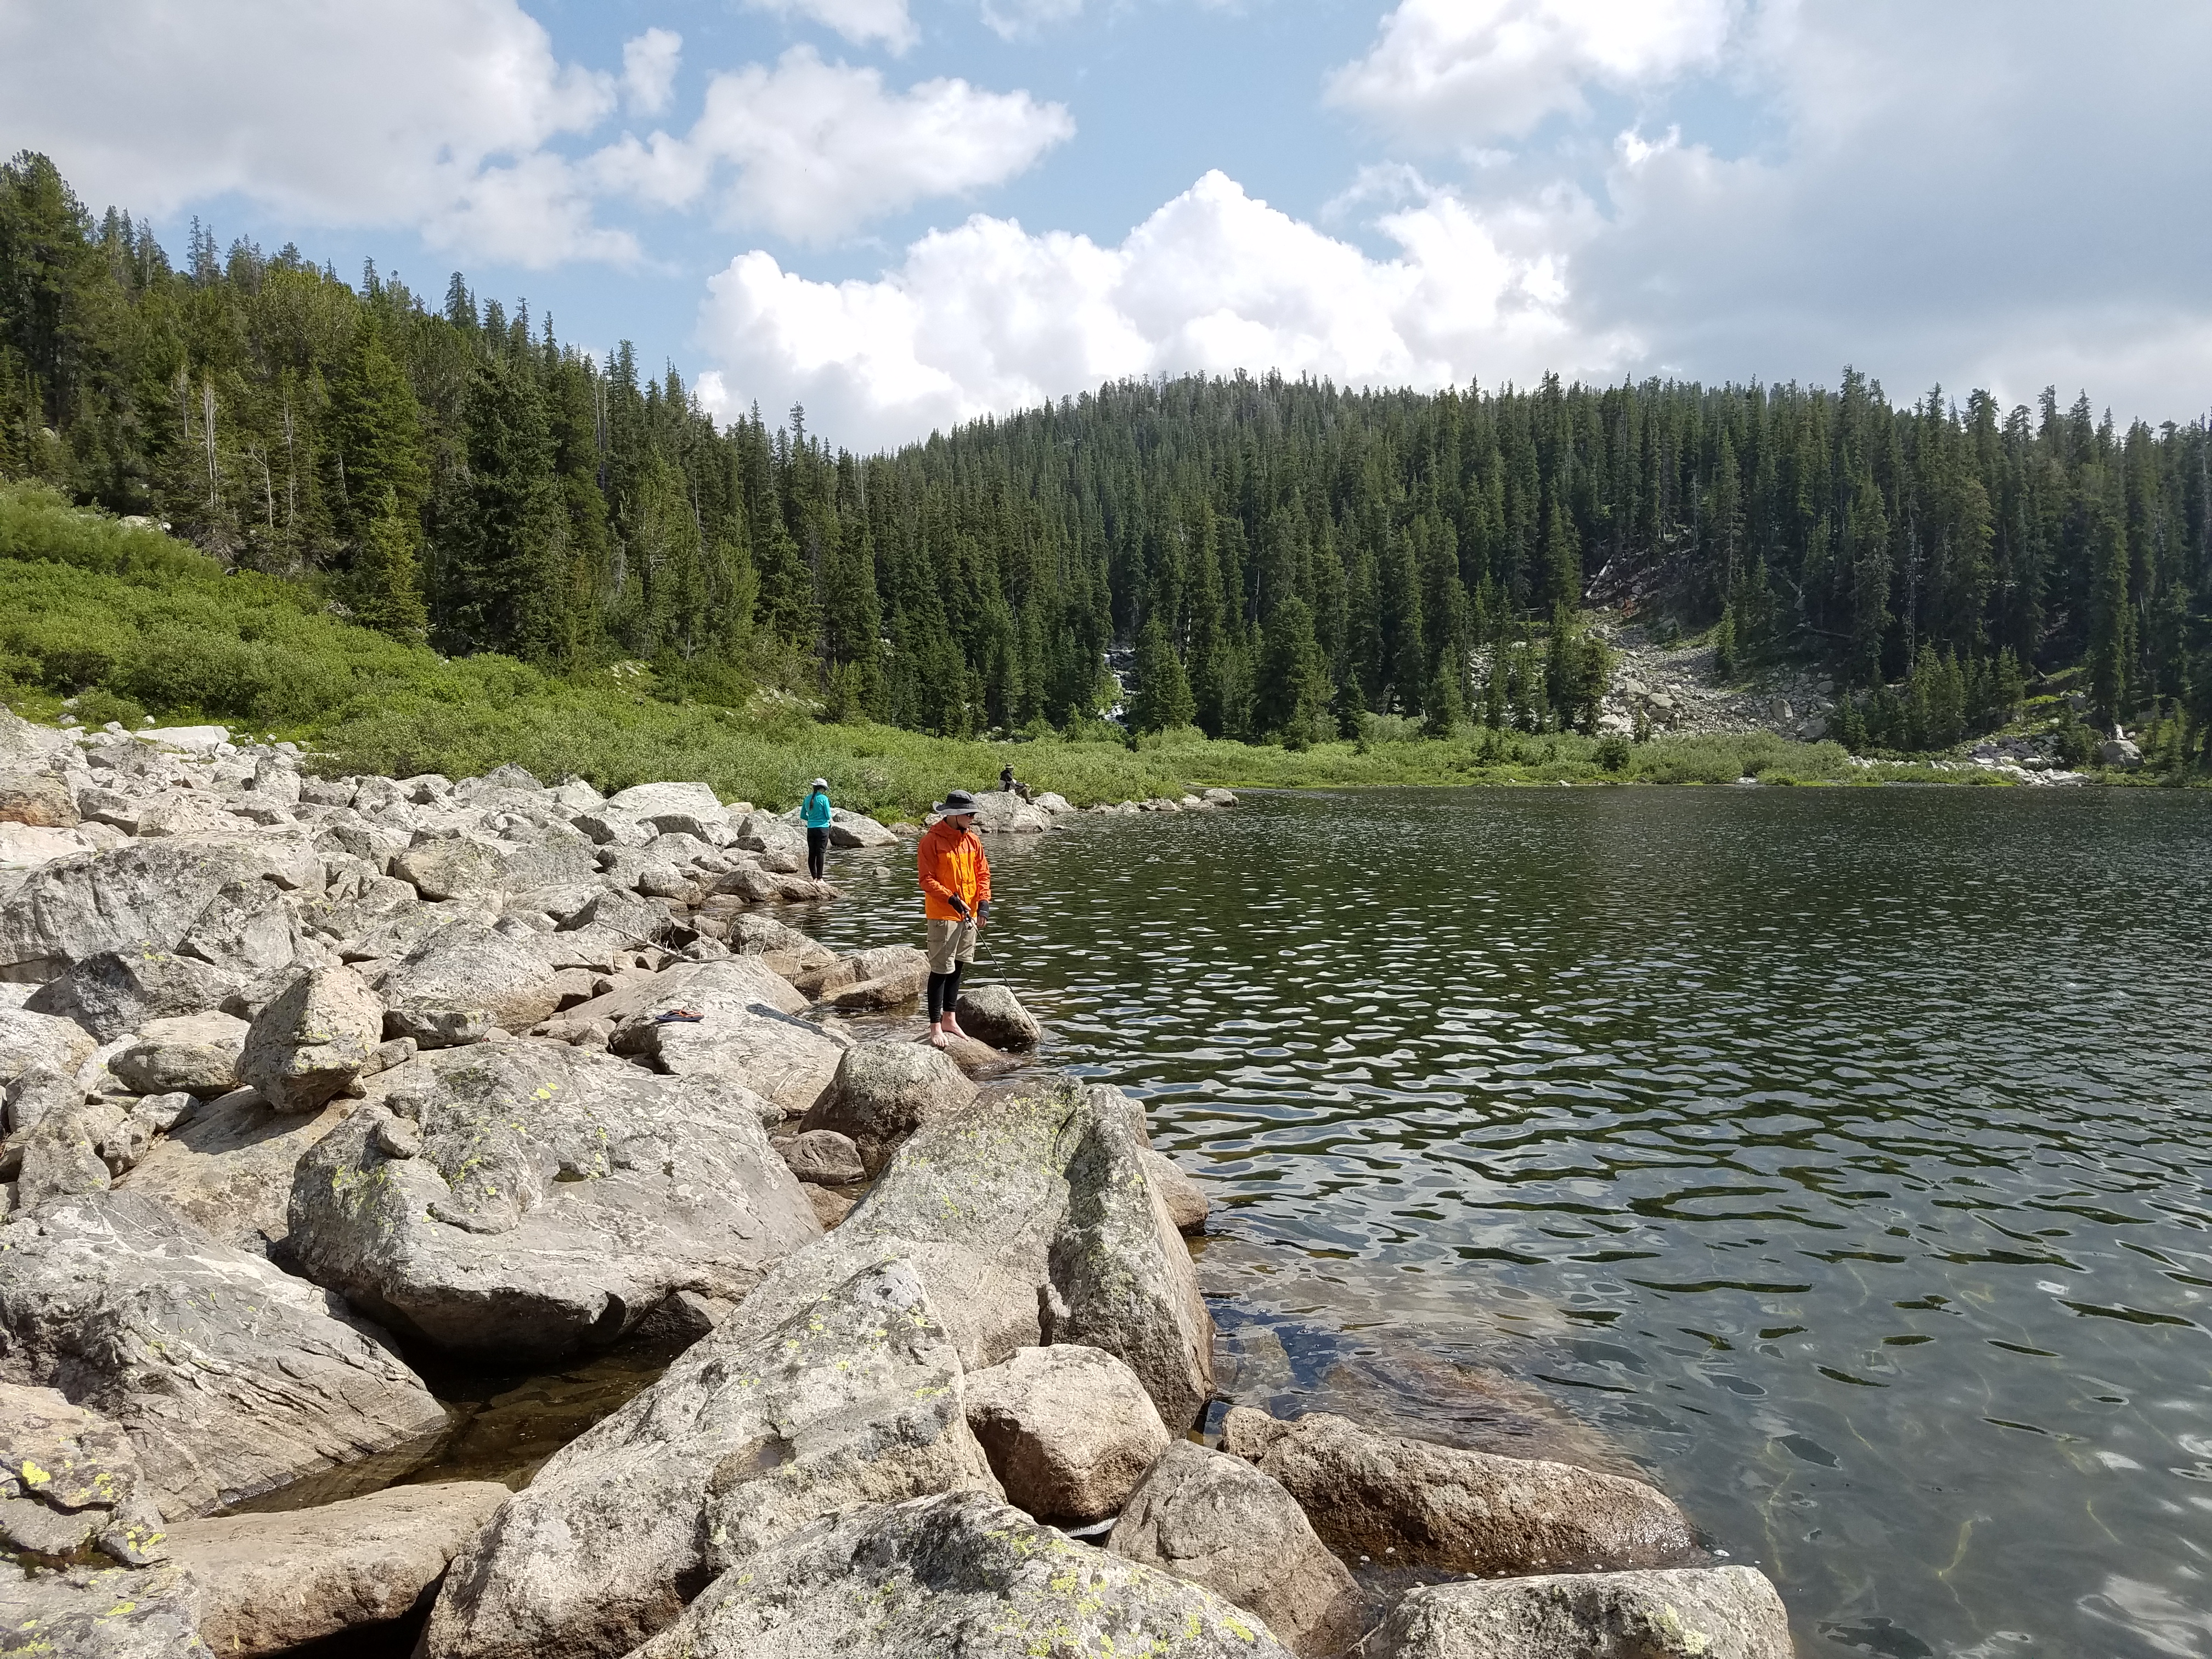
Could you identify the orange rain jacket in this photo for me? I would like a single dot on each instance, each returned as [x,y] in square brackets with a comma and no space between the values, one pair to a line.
[951,861]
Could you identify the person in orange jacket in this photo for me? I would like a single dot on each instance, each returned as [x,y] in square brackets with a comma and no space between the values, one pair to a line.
[955,899]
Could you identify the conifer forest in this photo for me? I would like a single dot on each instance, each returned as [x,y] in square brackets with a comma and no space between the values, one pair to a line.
[1277,556]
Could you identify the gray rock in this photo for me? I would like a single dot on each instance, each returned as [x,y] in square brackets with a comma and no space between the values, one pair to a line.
[313,1040]
[782,949]
[27,746]
[228,1169]
[28,1039]
[1216,1521]
[2120,752]
[854,1397]
[1462,1511]
[1030,1217]
[197,1054]
[245,927]
[558,1197]
[1712,1613]
[1069,1431]
[858,829]
[787,1064]
[688,809]
[954,1574]
[60,1151]
[451,867]
[610,826]
[826,1157]
[114,1613]
[1187,1203]
[462,978]
[768,834]
[79,1478]
[639,920]
[39,799]
[38,1092]
[269,1583]
[113,993]
[230,1377]
[890,974]
[165,1112]
[994,1014]
[886,1091]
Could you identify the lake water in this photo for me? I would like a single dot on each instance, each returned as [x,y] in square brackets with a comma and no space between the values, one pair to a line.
[1844,1158]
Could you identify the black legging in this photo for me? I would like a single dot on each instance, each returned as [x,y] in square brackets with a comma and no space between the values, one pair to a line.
[943,992]
[817,847]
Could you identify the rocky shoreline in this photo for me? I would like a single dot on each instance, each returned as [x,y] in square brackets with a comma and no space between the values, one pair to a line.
[309,1082]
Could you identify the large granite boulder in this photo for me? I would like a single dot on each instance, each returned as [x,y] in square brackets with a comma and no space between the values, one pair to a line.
[60,1153]
[994,1014]
[858,829]
[1216,1521]
[1030,1216]
[463,979]
[886,1091]
[782,948]
[953,1574]
[310,1043]
[824,1157]
[1069,1430]
[230,1377]
[854,1396]
[688,809]
[1461,1511]
[780,840]
[141,895]
[112,993]
[38,799]
[228,1168]
[196,1054]
[787,1064]
[48,1041]
[451,866]
[1710,1612]
[882,976]
[269,1583]
[525,1200]
[1186,1199]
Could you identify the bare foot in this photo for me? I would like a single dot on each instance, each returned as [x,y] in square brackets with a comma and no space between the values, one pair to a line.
[951,1030]
[939,1040]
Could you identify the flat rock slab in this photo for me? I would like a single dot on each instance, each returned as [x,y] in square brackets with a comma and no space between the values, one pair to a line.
[268,1582]
[753,1433]
[530,1199]
[1216,1521]
[1709,1612]
[230,1377]
[228,1168]
[956,1574]
[1426,1505]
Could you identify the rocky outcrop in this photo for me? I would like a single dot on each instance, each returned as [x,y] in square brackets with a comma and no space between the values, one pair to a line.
[1069,1431]
[994,1014]
[1714,1613]
[884,1093]
[266,1583]
[230,1377]
[1425,1505]
[525,1200]
[854,1397]
[320,1033]
[1216,1521]
[956,1574]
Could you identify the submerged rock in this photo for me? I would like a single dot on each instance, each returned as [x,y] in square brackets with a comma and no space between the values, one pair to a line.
[754,1432]
[269,1583]
[1426,1505]
[1069,1430]
[230,1377]
[954,1574]
[1712,1612]
[528,1198]
[1216,1521]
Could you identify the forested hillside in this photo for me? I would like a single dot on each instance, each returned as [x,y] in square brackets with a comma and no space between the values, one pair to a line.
[1281,556]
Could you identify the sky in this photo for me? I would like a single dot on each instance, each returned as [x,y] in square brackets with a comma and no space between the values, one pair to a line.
[906,214]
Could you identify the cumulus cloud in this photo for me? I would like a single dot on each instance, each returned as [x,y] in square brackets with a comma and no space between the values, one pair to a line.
[860,21]
[812,149]
[1011,19]
[649,70]
[988,317]
[438,121]
[1455,71]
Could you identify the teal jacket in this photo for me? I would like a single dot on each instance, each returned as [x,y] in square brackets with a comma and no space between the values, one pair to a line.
[815,814]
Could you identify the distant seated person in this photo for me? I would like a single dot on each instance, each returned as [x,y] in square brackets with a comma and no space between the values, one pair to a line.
[1007,786]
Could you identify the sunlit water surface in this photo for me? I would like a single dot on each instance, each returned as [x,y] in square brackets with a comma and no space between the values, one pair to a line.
[1841,1156]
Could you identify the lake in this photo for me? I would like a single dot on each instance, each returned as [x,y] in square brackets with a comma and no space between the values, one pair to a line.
[1843,1157]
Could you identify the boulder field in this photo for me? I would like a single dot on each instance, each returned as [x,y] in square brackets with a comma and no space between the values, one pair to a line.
[314,1086]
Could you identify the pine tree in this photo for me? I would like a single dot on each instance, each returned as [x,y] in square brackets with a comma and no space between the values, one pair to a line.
[1163,699]
[1290,695]
[385,590]
[377,437]
[2111,619]
[1725,644]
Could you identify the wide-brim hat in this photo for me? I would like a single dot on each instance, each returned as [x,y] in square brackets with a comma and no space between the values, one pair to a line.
[819,783]
[955,803]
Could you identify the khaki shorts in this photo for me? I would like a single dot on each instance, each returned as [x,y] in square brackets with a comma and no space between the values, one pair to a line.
[951,940]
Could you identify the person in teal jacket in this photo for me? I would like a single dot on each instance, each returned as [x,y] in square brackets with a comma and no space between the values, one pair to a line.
[815,814]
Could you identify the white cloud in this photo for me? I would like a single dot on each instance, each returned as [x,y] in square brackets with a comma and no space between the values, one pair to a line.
[1013,19]
[816,149]
[858,21]
[1454,71]
[430,114]
[988,317]
[649,63]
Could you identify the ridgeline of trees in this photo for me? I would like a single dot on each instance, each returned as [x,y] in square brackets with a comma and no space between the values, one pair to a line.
[1281,556]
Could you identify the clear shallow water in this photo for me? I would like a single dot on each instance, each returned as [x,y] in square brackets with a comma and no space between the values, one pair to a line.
[1845,1158]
